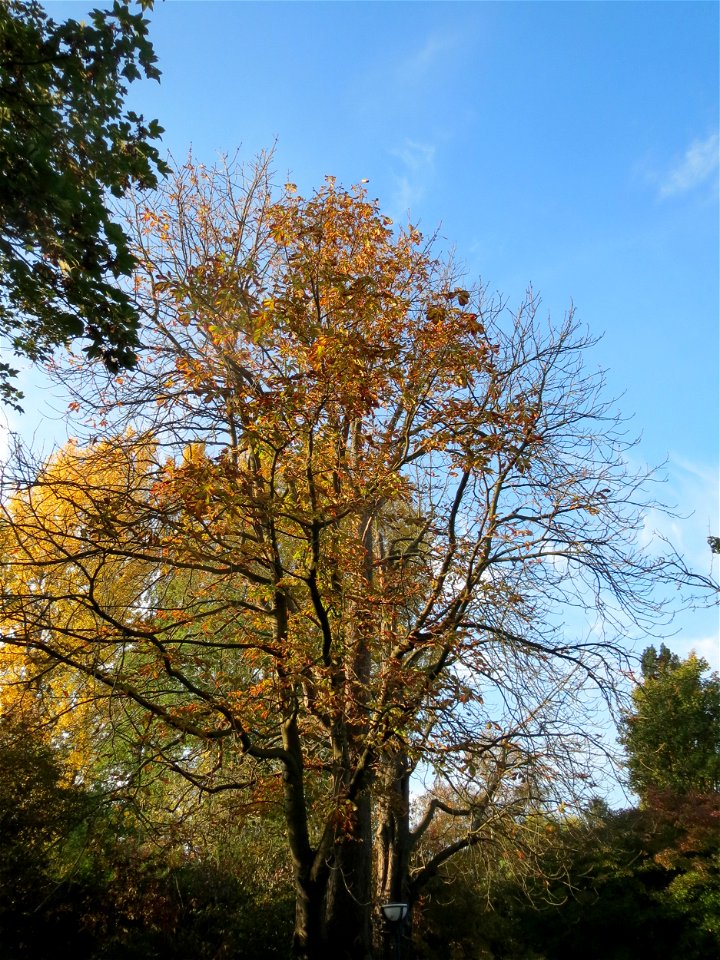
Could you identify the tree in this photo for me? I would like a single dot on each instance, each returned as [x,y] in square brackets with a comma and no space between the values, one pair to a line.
[39,812]
[66,141]
[89,869]
[316,543]
[672,733]
[612,883]
[634,882]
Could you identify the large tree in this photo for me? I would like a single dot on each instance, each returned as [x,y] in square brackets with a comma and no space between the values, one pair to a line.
[66,143]
[318,545]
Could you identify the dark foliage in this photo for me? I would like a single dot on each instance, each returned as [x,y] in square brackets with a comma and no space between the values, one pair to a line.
[66,142]
[77,872]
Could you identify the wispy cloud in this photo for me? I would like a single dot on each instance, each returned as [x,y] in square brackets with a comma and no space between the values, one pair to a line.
[435,49]
[692,493]
[698,165]
[416,156]
[417,163]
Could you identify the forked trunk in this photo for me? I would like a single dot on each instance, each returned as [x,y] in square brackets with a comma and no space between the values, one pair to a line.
[333,910]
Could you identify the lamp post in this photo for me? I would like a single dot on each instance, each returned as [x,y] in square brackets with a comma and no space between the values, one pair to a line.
[394,914]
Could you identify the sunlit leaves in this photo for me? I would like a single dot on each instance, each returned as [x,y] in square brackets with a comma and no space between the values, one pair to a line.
[327,524]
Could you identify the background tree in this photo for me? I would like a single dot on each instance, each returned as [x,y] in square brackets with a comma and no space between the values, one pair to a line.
[621,893]
[109,876]
[66,142]
[610,884]
[38,814]
[316,543]
[672,733]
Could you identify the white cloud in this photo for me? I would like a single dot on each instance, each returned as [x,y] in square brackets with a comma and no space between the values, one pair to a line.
[416,156]
[698,165]
[5,437]
[417,165]
[707,647]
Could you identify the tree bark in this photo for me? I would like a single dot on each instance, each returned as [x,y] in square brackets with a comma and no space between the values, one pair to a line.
[309,935]
[392,851]
[349,896]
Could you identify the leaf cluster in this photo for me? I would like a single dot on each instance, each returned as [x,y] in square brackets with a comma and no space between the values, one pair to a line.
[66,143]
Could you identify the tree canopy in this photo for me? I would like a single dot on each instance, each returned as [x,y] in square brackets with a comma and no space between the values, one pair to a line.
[672,733]
[313,547]
[67,143]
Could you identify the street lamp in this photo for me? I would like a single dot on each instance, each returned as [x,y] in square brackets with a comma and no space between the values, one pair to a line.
[394,914]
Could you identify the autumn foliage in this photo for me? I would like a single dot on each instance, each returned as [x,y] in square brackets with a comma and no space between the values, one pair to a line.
[312,545]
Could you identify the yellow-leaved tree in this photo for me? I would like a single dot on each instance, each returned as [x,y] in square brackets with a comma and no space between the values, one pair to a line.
[51,514]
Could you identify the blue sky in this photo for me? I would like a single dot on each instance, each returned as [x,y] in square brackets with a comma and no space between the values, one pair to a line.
[573,146]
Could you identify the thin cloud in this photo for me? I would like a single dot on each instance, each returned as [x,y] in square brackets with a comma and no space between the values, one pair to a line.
[696,167]
[417,162]
[416,156]
[692,493]
[435,49]
[4,442]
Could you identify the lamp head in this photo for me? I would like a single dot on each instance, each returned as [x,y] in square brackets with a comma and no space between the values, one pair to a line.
[394,912]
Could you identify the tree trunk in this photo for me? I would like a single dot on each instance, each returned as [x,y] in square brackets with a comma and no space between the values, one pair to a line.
[309,934]
[333,898]
[349,897]
[311,870]
[392,854]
